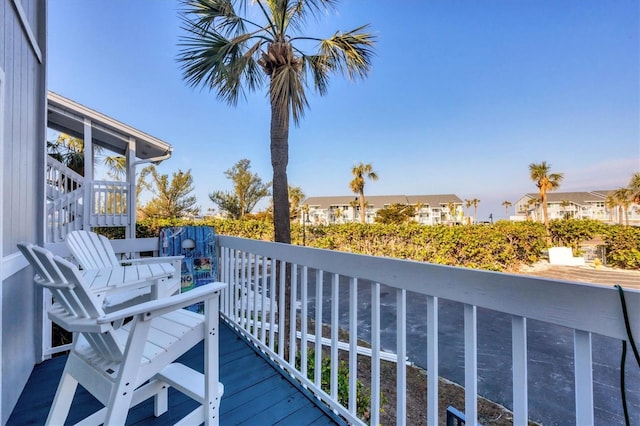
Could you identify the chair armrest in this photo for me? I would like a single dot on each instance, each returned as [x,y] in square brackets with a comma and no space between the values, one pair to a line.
[154,308]
[164,259]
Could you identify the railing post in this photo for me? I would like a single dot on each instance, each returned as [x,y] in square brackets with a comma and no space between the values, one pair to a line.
[470,365]
[375,354]
[353,344]
[432,361]
[401,351]
[318,329]
[583,377]
[520,376]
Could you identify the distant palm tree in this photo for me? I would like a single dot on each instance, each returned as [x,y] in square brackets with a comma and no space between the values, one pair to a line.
[563,205]
[535,202]
[545,181]
[360,172]
[623,197]
[232,54]
[612,204]
[295,198]
[451,206]
[634,186]
[468,204]
[506,205]
[475,203]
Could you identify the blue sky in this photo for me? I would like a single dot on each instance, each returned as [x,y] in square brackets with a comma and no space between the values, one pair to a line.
[461,98]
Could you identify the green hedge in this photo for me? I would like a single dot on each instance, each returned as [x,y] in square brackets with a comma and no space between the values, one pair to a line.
[503,246]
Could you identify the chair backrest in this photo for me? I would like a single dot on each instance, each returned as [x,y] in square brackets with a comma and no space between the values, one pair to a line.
[71,294]
[92,251]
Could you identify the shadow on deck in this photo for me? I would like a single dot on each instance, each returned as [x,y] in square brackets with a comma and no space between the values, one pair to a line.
[255,393]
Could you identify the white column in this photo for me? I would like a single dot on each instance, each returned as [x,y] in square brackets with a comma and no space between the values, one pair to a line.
[130,231]
[88,175]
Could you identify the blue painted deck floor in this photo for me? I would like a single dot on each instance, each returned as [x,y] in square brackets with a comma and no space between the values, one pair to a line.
[255,393]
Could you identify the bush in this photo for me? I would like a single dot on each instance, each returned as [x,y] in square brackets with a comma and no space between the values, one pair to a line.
[623,246]
[503,246]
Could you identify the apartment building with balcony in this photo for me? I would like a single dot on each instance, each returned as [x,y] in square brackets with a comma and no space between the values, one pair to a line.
[576,205]
[430,209]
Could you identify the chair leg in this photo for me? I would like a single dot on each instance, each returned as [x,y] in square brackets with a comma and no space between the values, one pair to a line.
[161,401]
[63,399]
[125,386]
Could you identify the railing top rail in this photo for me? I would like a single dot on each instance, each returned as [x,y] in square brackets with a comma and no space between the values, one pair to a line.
[109,182]
[588,307]
[72,174]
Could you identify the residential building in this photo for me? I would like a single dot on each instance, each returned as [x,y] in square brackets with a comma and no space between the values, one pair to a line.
[431,209]
[576,205]
[23,64]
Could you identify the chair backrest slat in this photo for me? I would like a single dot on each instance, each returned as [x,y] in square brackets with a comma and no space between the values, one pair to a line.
[71,292]
[43,276]
[92,251]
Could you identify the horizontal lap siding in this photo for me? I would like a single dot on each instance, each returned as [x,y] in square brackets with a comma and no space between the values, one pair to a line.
[22,168]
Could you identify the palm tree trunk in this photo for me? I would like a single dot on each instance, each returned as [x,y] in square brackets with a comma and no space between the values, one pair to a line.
[281,217]
[362,206]
[545,213]
[279,161]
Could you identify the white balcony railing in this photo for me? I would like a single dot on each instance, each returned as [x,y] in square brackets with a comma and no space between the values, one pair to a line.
[386,300]
[110,201]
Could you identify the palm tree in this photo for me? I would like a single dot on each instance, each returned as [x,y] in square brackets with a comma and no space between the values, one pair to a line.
[506,205]
[232,54]
[468,204]
[622,197]
[295,198]
[451,206]
[360,172]
[475,203]
[535,202]
[563,205]
[634,186]
[545,182]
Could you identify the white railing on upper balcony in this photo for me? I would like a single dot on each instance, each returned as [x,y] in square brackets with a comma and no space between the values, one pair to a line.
[64,214]
[60,179]
[64,200]
[360,291]
[110,201]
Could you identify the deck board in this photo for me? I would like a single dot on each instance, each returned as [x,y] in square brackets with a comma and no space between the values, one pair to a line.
[255,393]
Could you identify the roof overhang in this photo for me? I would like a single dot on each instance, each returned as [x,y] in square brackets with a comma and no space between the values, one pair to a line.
[69,117]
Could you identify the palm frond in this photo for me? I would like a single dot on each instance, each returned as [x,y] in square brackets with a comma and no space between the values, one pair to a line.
[319,69]
[287,91]
[219,14]
[350,53]
[221,64]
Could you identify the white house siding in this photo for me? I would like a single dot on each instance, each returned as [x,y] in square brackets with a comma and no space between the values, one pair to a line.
[22,61]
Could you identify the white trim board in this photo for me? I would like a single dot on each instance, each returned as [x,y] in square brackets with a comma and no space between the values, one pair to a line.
[12,264]
[27,29]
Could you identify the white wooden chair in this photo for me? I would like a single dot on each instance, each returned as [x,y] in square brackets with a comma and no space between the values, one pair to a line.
[125,366]
[93,251]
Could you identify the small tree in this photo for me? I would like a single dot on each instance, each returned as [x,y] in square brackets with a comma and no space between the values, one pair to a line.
[395,214]
[171,197]
[248,190]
